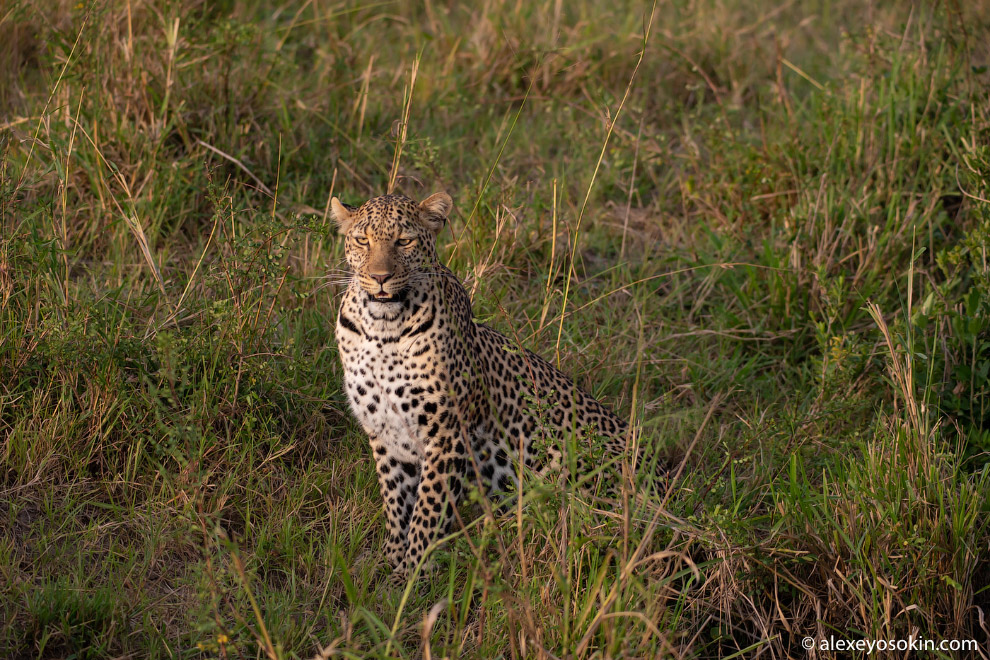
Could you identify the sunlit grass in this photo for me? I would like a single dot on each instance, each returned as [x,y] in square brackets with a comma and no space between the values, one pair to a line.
[770,254]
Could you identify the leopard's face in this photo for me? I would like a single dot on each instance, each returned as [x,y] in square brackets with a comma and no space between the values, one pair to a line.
[388,240]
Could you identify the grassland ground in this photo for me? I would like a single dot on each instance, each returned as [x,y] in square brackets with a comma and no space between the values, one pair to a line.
[759,230]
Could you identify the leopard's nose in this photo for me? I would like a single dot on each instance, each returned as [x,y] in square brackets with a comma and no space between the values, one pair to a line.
[381,278]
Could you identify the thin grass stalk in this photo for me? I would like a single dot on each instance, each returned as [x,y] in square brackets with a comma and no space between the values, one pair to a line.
[594,174]
[404,125]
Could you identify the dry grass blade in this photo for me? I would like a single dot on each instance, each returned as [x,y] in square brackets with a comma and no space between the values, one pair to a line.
[142,240]
[594,175]
[430,620]
[903,374]
[403,127]
[131,220]
[265,640]
[241,165]
[51,95]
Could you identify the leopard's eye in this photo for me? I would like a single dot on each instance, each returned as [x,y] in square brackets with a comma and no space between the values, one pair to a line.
[361,240]
[404,242]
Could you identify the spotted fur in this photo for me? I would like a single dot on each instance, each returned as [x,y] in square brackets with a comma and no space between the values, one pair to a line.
[444,400]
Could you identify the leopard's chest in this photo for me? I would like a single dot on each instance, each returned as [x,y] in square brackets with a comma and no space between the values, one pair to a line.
[387,390]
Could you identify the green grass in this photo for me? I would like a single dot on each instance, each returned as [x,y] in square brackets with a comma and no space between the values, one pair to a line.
[771,255]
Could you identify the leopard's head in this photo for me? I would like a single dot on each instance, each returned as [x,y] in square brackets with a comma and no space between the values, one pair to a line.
[389,239]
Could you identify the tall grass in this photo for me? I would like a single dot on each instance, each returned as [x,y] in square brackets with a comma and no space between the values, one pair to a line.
[759,232]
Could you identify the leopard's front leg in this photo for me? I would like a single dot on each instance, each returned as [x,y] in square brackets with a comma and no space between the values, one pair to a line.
[436,498]
[398,482]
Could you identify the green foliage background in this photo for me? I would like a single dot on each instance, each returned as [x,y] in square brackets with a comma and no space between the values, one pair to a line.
[765,243]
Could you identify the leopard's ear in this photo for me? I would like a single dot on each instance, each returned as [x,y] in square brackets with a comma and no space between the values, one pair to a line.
[434,211]
[341,215]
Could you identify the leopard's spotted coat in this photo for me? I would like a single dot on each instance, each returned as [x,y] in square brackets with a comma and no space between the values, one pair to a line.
[442,398]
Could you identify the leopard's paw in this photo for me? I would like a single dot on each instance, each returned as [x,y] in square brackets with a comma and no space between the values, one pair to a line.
[399,578]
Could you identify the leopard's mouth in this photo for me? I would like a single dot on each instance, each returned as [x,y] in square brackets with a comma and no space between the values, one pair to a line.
[385,297]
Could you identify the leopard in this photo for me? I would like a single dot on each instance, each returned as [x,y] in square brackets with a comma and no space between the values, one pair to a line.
[444,400]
